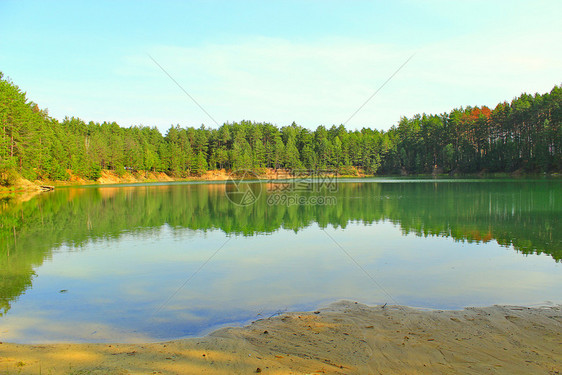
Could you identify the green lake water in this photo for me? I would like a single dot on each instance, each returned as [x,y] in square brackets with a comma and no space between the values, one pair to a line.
[164,261]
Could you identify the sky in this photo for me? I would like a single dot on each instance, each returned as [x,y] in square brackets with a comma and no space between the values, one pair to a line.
[311,62]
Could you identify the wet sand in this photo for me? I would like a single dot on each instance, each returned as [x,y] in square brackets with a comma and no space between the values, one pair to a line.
[345,338]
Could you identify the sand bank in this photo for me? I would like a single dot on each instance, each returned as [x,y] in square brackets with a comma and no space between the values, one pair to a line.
[345,338]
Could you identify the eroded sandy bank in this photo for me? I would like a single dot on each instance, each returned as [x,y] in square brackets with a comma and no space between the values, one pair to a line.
[345,338]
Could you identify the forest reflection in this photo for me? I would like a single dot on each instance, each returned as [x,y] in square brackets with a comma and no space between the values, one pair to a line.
[522,214]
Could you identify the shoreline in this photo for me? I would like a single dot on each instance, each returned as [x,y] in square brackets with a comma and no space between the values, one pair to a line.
[343,338]
[111,178]
[108,178]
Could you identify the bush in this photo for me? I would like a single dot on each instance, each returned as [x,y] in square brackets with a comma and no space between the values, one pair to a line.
[29,175]
[120,170]
[347,170]
[260,171]
[8,177]
[94,172]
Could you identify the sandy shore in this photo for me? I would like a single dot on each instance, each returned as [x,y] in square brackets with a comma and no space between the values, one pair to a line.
[345,338]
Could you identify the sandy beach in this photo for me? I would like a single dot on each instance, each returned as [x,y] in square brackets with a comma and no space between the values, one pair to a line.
[344,338]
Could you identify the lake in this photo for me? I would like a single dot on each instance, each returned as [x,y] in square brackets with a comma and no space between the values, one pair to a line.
[164,261]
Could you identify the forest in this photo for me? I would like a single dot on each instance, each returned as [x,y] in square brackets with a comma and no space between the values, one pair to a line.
[524,135]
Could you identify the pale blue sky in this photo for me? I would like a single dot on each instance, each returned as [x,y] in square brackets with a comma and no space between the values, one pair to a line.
[313,62]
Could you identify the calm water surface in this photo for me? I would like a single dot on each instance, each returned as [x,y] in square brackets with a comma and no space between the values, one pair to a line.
[155,262]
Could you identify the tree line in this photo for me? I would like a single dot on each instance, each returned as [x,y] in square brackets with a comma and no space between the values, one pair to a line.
[522,135]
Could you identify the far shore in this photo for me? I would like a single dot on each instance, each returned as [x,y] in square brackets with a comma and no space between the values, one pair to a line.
[344,338]
[109,177]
